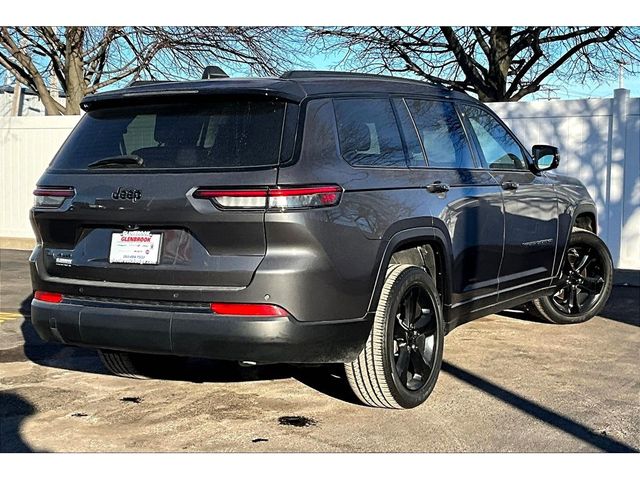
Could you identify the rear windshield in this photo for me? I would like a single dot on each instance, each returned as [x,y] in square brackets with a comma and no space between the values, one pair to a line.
[211,134]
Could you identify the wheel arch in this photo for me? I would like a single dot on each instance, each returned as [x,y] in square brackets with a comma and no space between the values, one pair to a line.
[587,221]
[427,247]
[584,215]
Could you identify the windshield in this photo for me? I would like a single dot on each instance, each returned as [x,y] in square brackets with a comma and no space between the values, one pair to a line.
[210,134]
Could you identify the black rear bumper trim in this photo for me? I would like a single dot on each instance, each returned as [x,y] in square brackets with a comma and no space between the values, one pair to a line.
[198,333]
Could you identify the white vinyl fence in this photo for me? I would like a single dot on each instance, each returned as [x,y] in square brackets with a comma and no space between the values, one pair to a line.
[27,145]
[599,141]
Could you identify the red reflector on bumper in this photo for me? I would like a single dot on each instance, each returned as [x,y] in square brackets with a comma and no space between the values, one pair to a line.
[248,309]
[48,297]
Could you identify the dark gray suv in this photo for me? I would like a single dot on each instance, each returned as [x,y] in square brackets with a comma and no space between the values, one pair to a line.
[313,218]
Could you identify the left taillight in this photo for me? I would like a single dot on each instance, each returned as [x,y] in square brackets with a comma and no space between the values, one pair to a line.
[304,197]
[48,297]
[278,198]
[51,197]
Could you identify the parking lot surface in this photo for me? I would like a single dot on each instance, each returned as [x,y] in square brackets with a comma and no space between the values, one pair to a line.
[509,383]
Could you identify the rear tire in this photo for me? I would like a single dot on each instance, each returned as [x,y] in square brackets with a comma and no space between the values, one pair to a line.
[139,366]
[401,360]
[585,283]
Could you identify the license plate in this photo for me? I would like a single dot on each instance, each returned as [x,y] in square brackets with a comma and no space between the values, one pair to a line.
[135,247]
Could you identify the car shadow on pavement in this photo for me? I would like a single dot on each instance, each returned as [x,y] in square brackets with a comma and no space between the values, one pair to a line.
[14,409]
[623,306]
[327,379]
[573,428]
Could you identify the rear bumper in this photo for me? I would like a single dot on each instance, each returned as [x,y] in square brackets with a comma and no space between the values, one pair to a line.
[194,331]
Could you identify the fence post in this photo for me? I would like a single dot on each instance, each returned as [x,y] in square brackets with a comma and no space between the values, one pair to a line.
[615,177]
[18,99]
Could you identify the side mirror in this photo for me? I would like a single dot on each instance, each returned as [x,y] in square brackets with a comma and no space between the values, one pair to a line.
[545,157]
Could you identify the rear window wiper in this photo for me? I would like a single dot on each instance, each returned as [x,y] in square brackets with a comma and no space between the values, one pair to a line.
[118,161]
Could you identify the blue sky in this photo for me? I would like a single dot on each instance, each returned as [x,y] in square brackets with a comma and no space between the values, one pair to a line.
[559,90]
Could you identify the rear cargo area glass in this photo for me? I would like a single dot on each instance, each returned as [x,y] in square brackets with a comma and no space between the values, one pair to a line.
[210,134]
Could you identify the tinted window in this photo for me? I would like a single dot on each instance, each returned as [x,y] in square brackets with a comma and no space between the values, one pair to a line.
[442,134]
[368,133]
[414,149]
[213,134]
[499,148]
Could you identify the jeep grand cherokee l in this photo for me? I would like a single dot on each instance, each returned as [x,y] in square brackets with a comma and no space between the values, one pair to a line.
[313,218]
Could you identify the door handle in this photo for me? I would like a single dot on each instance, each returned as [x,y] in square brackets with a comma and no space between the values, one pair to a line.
[510,185]
[438,187]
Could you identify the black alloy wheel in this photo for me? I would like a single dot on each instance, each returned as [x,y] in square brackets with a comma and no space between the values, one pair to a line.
[414,338]
[584,285]
[582,281]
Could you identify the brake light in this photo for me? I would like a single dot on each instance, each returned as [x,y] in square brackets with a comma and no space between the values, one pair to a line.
[273,198]
[48,297]
[249,309]
[251,199]
[51,197]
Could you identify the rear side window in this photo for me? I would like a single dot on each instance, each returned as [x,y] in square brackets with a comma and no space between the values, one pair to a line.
[369,133]
[210,134]
[441,133]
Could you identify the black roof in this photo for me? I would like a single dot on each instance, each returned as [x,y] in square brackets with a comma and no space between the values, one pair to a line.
[293,86]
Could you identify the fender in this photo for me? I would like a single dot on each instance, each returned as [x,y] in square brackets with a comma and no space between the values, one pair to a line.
[411,235]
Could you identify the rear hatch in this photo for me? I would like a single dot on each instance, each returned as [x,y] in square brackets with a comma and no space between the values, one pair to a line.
[117,203]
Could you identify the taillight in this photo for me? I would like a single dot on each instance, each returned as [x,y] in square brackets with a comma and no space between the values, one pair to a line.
[48,297]
[304,197]
[250,199]
[249,309]
[273,198]
[51,197]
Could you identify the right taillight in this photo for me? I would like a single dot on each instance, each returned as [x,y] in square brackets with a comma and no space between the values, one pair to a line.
[279,198]
[51,197]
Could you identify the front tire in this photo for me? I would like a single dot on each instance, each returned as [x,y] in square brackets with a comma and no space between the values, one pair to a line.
[585,282]
[401,360]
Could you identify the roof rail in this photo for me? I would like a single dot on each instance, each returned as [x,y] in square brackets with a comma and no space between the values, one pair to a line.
[299,74]
[139,83]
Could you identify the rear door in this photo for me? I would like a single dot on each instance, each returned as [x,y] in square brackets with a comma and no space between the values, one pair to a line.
[136,168]
[465,199]
[531,217]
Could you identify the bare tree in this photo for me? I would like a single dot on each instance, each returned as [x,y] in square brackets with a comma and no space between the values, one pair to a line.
[87,59]
[495,63]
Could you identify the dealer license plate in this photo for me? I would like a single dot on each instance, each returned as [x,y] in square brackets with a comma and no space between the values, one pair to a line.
[135,247]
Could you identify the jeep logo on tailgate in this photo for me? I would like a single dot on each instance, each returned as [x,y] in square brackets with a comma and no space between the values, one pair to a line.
[124,194]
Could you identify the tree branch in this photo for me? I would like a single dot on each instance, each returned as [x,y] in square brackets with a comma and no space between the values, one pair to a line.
[466,63]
